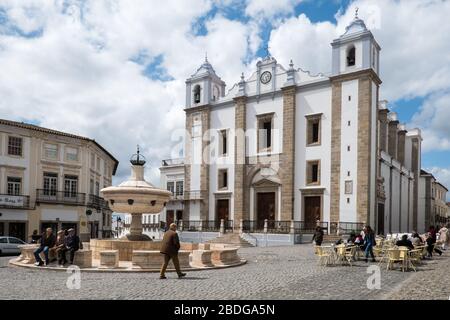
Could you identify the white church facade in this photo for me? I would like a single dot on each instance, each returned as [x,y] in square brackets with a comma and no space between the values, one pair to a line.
[296,149]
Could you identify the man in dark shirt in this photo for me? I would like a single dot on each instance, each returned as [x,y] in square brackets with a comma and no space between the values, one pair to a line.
[405,242]
[72,244]
[169,248]
[48,241]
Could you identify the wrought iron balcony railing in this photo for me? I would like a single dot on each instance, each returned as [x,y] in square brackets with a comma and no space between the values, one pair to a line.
[97,202]
[61,197]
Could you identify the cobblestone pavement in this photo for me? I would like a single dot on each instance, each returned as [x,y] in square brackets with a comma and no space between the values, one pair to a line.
[270,273]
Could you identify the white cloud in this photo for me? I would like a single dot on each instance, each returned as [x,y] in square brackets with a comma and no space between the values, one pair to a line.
[433,118]
[77,76]
[268,8]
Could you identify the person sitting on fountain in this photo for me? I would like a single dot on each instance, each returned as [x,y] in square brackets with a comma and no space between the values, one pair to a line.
[48,241]
[169,248]
[72,244]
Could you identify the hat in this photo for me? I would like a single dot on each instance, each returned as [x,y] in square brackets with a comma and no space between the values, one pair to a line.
[71,229]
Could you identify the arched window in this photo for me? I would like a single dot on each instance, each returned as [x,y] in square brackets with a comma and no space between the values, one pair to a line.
[197,94]
[351,56]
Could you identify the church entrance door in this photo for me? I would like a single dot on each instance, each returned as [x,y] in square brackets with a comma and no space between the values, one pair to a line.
[312,211]
[222,211]
[265,207]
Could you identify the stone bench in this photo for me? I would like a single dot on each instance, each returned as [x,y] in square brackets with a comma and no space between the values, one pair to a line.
[83,258]
[201,258]
[151,259]
[109,259]
[225,256]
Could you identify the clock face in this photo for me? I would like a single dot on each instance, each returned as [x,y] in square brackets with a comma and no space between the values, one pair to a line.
[266,77]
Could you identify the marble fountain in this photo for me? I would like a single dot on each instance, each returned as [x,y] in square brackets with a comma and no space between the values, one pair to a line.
[136,252]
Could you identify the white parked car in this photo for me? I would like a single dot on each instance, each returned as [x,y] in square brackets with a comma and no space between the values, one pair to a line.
[10,245]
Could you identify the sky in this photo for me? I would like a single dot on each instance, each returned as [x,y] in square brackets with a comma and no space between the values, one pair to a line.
[115,70]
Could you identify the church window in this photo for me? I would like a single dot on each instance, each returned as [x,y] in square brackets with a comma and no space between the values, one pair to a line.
[313,172]
[223,142]
[197,94]
[313,128]
[351,56]
[265,127]
[223,179]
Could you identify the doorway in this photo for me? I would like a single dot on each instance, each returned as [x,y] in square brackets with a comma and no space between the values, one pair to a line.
[265,207]
[312,211]
[169,217]
[17,229]
[380,220]
[179,215]
[223,211]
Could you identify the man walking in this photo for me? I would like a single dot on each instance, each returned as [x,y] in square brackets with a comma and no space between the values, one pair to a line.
[48,241]
[169,248]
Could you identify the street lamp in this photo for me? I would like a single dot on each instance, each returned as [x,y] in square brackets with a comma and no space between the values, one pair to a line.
[118,220]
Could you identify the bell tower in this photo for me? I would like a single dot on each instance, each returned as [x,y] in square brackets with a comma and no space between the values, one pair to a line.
[355,50]
[204,86]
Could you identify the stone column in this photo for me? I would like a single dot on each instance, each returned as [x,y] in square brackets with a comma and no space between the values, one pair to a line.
[364,149]
[416,169]
[392,138]
[240,212]
[287,167]
[382,116]
[401,137]
[204,169]
[336,106]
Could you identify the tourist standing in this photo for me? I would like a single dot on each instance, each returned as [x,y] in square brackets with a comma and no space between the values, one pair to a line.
[170,246]
[369,242]
[48,240]
[318,236]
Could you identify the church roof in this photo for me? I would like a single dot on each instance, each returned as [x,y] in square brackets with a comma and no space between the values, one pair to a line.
[205,69]
[356,26]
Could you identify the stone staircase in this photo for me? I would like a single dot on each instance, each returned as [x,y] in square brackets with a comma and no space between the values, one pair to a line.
[233,239]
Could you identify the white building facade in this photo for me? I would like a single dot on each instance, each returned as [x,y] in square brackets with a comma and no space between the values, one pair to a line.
[295,149]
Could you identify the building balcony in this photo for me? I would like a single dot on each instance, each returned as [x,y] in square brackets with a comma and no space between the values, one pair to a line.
[195,195]
[172,162]
[60,197]
[178,196]
[97,202]
[14,202]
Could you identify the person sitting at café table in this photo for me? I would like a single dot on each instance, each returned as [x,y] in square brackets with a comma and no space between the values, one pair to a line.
[404,242]
[47,242]
[416,240]
[352,237]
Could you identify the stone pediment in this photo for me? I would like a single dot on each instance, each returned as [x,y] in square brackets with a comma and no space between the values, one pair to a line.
[265,183]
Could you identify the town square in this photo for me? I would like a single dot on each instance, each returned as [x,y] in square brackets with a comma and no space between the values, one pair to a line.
[224,150]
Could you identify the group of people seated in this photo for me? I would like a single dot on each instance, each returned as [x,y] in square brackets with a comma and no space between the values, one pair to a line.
[65,241]
[365,240]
